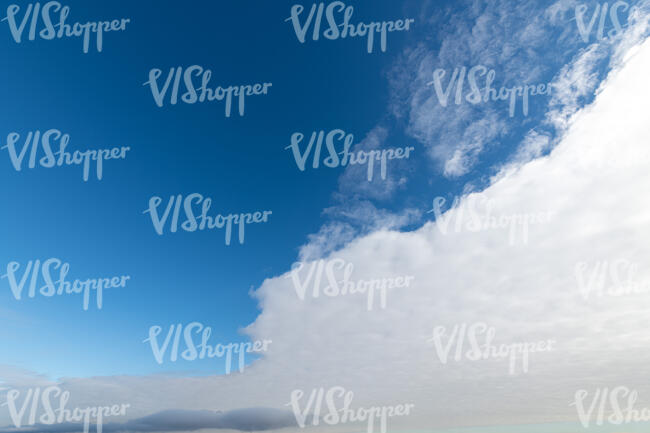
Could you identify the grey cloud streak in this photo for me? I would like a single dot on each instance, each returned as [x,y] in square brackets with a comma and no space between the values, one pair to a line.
[176,420]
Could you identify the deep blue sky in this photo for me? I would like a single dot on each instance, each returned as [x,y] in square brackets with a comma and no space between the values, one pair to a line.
[240,162]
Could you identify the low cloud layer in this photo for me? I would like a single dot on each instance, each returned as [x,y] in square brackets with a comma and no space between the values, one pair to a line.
[251,419]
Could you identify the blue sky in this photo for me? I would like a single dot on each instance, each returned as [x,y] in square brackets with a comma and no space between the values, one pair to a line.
[240,162]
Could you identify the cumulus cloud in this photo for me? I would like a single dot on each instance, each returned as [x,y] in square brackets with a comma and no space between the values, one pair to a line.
[591,183]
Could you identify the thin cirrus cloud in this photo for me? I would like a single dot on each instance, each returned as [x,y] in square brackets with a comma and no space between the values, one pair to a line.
[525,42]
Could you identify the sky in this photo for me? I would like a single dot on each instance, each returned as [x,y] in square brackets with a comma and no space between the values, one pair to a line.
[576,160]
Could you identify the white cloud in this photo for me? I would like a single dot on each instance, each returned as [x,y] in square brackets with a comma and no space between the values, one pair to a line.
[528,292]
